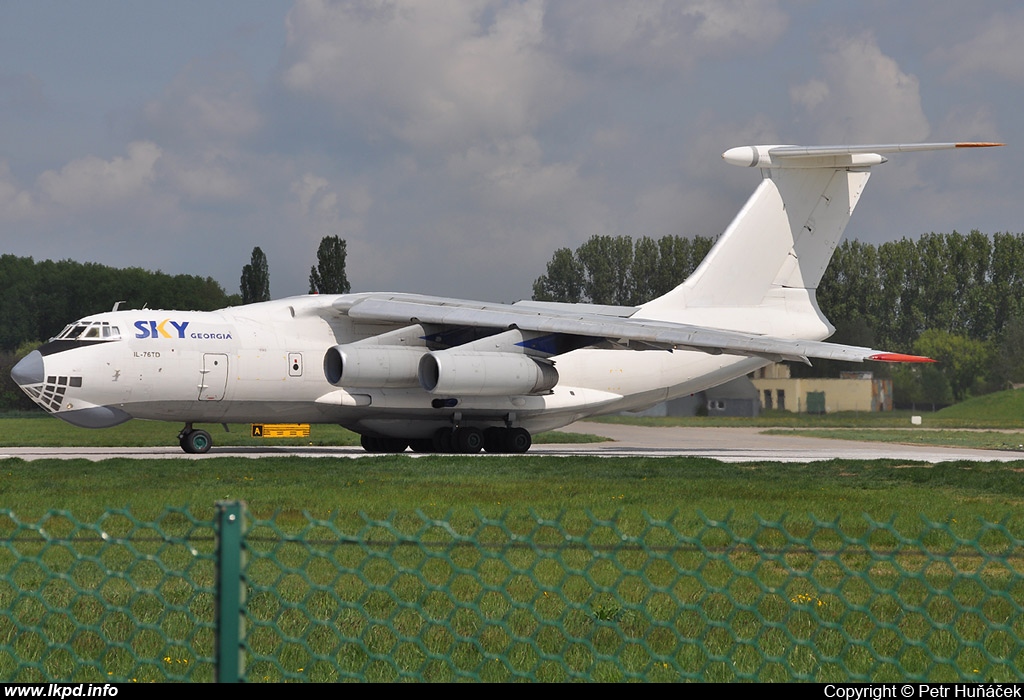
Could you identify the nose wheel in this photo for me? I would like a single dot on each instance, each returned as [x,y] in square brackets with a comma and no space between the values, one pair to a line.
[193,441]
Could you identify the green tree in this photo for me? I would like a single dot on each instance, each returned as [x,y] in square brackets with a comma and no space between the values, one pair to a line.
[606,261]
[255,283]
[962,360]
[1006,288]
[563,280]
[618,270]
[1008,360]
[643,272]
[850,288]
[328,276]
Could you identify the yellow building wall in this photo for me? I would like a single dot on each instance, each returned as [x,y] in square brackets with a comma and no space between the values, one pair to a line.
[840,394]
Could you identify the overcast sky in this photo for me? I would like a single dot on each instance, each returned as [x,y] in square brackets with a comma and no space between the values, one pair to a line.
[457,144]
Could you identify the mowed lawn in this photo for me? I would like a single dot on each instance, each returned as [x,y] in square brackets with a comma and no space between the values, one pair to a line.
[451,485]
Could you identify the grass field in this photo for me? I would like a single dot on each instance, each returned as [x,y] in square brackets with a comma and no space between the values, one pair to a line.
[737,604]
[440,485]
[969,438]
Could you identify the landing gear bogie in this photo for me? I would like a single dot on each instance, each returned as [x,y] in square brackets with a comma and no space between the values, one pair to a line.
[469,440]
[464,439]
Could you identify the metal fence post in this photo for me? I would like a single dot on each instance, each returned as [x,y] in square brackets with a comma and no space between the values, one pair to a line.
[230,625]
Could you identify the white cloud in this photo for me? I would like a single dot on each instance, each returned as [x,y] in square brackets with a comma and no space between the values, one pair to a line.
[994,49]
[328,208]
[209,100]
[429,74]
[511,175]
[863,96]
[811,94]
[663,34]
[15,203]
[209,178]
[312,187]
[93,183]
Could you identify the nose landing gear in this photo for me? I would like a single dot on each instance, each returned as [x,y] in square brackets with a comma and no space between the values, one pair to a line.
[193,441]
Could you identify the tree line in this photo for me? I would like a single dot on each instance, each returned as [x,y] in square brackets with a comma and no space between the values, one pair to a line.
[958,298]
[620,271]
[970,285]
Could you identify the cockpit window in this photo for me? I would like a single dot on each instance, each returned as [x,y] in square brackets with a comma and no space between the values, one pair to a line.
[94,330]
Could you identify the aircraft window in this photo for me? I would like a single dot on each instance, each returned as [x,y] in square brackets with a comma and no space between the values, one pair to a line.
[90,331]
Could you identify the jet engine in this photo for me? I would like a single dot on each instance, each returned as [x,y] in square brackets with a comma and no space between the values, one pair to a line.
[373,366]
[466,373]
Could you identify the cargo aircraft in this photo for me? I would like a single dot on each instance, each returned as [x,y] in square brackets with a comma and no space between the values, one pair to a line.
[447,375]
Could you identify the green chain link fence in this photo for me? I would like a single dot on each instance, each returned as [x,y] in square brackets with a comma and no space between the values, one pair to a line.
[520,596]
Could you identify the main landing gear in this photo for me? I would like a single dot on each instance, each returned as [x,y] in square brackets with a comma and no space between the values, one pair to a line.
[461,440]
[194,441]
[470,440]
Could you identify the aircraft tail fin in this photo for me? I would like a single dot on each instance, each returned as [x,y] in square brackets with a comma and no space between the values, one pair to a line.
[785,234]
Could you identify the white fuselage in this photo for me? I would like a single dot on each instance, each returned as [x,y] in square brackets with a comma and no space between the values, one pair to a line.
[264,363]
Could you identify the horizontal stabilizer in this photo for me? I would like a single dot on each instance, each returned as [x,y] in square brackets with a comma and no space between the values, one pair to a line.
[812,156]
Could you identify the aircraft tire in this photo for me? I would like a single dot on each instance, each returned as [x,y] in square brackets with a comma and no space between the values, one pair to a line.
[468,440]
[518,440]
[196,442]
[443,440]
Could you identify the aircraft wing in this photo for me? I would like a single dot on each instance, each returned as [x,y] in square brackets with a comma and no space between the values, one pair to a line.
[608,326]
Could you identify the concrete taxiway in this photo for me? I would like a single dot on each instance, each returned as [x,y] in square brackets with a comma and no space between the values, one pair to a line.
[724,444]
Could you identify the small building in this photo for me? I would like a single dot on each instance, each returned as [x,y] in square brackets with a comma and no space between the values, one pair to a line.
[738,398]
[735,398]
[853,391]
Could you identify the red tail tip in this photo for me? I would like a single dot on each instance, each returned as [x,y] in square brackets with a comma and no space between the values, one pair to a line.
[899,357]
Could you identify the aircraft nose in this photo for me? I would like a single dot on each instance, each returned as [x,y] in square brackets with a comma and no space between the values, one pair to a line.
[29,370]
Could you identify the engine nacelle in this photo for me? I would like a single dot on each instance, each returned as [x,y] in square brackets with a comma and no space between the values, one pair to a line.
[373,366]
[466,373]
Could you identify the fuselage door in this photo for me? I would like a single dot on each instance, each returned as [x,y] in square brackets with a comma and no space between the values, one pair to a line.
[214,377]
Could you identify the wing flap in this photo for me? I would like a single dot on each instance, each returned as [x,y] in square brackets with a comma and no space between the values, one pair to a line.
[641,331]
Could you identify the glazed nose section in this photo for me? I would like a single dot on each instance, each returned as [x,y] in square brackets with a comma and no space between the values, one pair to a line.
[29,370]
